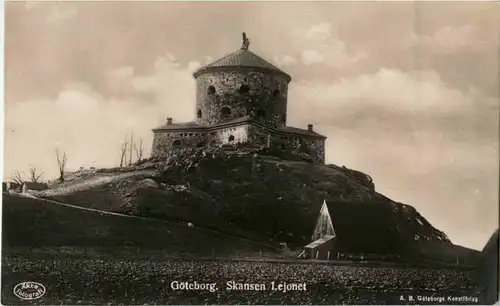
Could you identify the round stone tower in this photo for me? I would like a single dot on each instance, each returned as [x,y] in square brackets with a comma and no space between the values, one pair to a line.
[238,85]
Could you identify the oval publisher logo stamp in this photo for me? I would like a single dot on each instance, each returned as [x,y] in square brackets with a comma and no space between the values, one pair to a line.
[29,290]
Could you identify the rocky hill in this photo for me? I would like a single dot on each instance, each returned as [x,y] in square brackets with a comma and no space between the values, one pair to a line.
[259,194]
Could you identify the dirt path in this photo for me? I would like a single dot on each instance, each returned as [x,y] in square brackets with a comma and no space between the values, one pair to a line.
[91,183]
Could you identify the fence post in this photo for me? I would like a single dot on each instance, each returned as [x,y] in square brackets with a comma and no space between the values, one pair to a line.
[317,254]
[328,255]
[260,253]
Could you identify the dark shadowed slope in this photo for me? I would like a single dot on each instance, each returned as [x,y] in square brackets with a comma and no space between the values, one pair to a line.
[29,222]
[488,270]
[267,198]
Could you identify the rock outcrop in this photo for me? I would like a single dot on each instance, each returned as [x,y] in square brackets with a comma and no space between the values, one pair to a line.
[254,192]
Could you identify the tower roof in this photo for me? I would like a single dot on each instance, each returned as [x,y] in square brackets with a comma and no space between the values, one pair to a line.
[241,58]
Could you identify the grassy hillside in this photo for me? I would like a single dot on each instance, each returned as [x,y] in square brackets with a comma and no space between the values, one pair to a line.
[259,195]
[29,222]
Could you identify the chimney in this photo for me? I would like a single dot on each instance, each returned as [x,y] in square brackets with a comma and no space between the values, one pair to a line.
[310,127]
[169,120]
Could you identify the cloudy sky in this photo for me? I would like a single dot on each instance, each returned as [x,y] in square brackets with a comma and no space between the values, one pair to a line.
[405,92]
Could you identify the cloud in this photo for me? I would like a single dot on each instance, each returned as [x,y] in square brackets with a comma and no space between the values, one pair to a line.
[322,31]
[284,60]
[171,85]
[409,93]
[89,125]
[425,140]
[320,44]
[310,57]
[451,39]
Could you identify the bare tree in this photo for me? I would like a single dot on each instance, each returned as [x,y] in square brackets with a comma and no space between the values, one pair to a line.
[61,161]
[123,153]
[131,147]
[35,175]
[17,178]
[139,150]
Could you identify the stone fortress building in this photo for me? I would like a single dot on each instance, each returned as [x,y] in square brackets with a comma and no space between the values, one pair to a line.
[241,99]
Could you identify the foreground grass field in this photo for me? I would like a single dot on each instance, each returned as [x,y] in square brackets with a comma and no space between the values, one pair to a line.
[92,257]
[39,226]
[93,281]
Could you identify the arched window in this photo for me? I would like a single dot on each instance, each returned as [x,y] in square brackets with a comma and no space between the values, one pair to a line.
[211,90]
[261,113]
[177,143]
[225,111]
[276,93]
[244,88]
[199,113]
[231,138]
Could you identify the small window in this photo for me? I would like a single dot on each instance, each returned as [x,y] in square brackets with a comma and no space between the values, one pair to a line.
[177,143]
[261,113]
[284,117]
[211,90]
[225,111]
[244,88]
[199,113]
[231,138]
[262,139]
[303,147]
[276,93]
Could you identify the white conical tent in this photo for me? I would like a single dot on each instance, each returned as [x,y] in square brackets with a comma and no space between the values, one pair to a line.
[324,225]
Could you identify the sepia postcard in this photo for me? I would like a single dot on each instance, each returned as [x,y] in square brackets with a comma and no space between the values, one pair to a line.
[259,152]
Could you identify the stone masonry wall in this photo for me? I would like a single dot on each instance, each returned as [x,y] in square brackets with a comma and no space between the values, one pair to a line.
[239,135]
[265,98]
[297,144]
[164,141]
[312,148]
